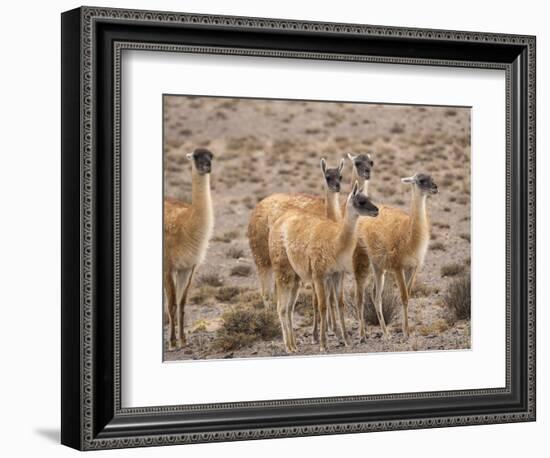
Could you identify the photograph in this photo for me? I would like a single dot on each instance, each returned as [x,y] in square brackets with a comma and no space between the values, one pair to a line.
[279,223]
[296,227]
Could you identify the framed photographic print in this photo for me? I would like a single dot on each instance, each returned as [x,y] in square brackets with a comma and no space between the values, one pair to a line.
[276,228]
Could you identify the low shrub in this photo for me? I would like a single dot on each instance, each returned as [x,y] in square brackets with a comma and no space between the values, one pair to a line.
[438,246]
[390,304]
[234,253]
[434,328]
[241,270]
[450,270]
[242,326]
[210,280]
[458,297]
[227,293]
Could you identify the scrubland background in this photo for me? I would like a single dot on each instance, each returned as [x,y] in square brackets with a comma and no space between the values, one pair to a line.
[264,146]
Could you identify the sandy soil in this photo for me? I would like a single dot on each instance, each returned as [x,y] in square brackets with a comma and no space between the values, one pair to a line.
[264,146]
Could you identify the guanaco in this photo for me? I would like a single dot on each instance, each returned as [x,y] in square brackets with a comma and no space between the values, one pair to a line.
[397,241]
[268,210]
[312,249]
[187,231]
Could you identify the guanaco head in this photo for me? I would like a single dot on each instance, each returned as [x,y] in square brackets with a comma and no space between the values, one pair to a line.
[361,203]
[202,160]
[363,164]
[424,183]
[333,177]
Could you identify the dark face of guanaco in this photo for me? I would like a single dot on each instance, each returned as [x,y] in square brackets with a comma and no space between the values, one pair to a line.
[202,160]
[332,176]
[363,164]
[361,203]
[424,182]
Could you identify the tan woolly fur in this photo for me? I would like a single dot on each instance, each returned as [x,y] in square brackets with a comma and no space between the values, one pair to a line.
[312,249]
[187,231]
[395,242]
[268,210]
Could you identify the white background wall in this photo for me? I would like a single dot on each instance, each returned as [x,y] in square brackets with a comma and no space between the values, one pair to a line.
[30,214]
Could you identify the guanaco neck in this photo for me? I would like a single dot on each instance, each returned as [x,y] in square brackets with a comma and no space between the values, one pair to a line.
[332,205]
[201,198]
[419,224]
[346,239]
[363,183]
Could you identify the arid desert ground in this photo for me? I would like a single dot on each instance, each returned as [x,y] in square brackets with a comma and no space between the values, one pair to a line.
[267,146]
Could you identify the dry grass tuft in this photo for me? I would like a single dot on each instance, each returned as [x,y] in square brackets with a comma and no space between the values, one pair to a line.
[397,128]
[243,325]
[210,280]
[202,294]
[304,306]
[252,299]
[241,270]
[420,289]
[235,253]
[438,246]
[227,293]
[458,297]
[399,201]
[437,327]
[227,237]
[390,305]
[450,270]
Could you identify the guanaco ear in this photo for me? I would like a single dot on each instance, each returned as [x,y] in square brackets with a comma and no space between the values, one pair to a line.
[351,157]
[408,180]
[189,156]
[323,166]
[341,166]
[369,155]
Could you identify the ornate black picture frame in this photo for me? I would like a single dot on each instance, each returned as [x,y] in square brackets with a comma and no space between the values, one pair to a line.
[92,42]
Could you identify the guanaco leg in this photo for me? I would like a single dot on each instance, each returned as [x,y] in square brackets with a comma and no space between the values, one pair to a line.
[379,276]
[183,281]
[360,282]
[331,316]
[290,314]
[170,290]
[338,286]
[315,330]
[265,275]
[283,292]
[319,287]
[410,279]
[400,277]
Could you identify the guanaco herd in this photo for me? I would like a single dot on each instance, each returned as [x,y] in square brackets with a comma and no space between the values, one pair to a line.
[305,239]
